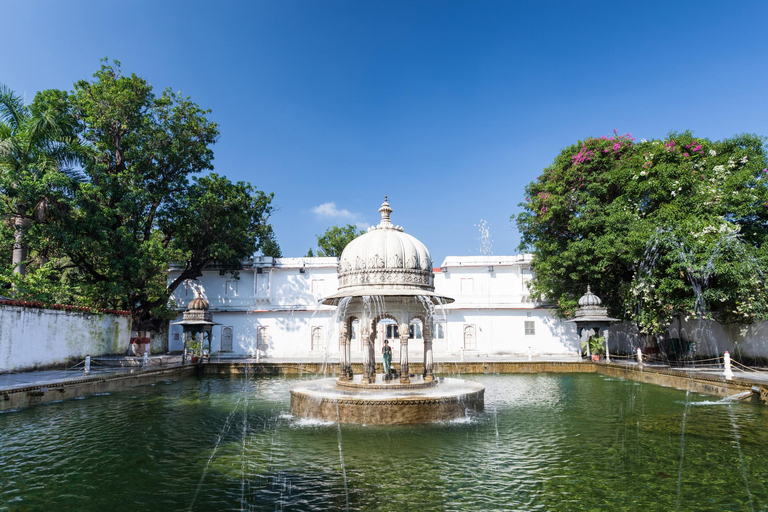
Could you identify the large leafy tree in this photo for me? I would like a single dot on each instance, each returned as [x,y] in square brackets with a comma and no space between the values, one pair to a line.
[140,206]
[659,228]
[335,239]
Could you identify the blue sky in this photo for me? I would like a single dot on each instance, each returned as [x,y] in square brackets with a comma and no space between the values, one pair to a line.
[449,108]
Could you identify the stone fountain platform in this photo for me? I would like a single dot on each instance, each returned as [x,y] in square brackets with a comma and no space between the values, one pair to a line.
[386,402]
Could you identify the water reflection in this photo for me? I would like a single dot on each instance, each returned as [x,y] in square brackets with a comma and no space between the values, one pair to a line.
[544,442]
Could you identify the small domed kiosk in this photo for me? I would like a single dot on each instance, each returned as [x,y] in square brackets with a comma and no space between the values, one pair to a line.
[385,274]
[591,319]
[196,320]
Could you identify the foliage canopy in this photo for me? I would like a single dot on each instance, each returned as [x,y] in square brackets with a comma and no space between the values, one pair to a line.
[138,200]
[659,228]
[335,239]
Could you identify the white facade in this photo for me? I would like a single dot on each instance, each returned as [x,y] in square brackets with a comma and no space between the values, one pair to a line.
[273,308]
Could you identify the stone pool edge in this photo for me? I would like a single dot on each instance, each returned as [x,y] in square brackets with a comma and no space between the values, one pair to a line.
[66,389]
[22,397]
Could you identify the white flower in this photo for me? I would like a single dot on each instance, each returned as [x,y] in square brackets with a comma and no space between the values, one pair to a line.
[642,173]
[719,168]
[643,140]
[712,152]
[744,159]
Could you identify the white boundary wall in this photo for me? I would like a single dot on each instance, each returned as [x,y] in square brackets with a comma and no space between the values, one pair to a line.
[706,338]
[33,338]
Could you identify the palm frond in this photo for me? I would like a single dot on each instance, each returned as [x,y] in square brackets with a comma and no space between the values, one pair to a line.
[12,108]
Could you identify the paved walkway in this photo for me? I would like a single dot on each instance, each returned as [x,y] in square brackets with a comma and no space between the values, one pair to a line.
[119,365]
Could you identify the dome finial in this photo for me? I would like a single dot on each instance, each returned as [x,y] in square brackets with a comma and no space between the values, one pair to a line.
[385,210]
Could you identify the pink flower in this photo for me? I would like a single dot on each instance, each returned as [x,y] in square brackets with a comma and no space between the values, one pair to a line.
[685,155]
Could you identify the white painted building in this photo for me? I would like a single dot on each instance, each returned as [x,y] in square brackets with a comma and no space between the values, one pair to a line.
[274,308]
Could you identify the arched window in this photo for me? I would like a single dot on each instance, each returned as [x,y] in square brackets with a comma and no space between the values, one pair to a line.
[470,341]
[226,339]
[262,337]
[317,338]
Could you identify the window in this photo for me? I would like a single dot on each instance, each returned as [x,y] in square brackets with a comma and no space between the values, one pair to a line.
[526,275]
[317,338]
[392,331]
[530,328]
[414,332]
[318,287]
[230,288]
[262,338]
[226,339]
[470,341]
[262,284]
[439,331]
[467,284]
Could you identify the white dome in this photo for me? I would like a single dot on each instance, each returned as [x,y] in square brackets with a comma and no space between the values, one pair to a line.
[589,299]
[385,261]
[385,248]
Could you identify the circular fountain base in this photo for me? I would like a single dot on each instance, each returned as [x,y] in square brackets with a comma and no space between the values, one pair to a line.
[386,402]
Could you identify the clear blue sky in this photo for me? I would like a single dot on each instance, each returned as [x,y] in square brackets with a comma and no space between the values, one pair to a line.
[450,108]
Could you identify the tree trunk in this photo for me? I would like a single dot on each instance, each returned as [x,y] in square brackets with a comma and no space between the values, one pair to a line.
[20,248]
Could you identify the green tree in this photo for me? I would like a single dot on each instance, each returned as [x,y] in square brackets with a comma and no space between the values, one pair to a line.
[38,148]
[136,210]
[335,239]
[658,228]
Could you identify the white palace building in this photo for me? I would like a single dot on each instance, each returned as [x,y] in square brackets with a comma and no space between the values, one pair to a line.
[274,308]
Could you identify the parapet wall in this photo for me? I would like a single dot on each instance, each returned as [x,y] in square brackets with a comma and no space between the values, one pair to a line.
[34,337]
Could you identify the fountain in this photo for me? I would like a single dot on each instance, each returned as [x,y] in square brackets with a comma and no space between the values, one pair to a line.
[385,274]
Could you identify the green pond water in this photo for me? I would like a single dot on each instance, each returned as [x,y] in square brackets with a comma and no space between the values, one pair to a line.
[545,442]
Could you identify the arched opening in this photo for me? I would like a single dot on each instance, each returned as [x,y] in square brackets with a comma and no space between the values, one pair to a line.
[317,339]
[226,339]
[470,338]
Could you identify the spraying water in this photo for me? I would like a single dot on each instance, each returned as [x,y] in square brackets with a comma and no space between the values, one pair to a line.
[484,236]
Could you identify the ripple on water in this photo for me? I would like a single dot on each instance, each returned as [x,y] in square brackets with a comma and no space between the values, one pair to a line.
[544,442]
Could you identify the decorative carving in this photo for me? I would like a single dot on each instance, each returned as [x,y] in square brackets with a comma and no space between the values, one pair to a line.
[377,262]
[419,278]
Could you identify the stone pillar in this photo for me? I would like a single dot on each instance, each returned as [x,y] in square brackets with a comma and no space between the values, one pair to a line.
[185,338]
[404,333]
[372,349]
[348,352]
[368,361]
[428,361]
[344,341]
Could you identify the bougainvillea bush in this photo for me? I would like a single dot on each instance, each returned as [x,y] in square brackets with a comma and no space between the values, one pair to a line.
[659,228]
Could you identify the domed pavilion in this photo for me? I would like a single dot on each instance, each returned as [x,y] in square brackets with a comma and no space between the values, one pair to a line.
[385,274]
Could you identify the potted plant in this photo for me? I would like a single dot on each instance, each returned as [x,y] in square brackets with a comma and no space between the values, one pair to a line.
[596,346]
[193,348]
